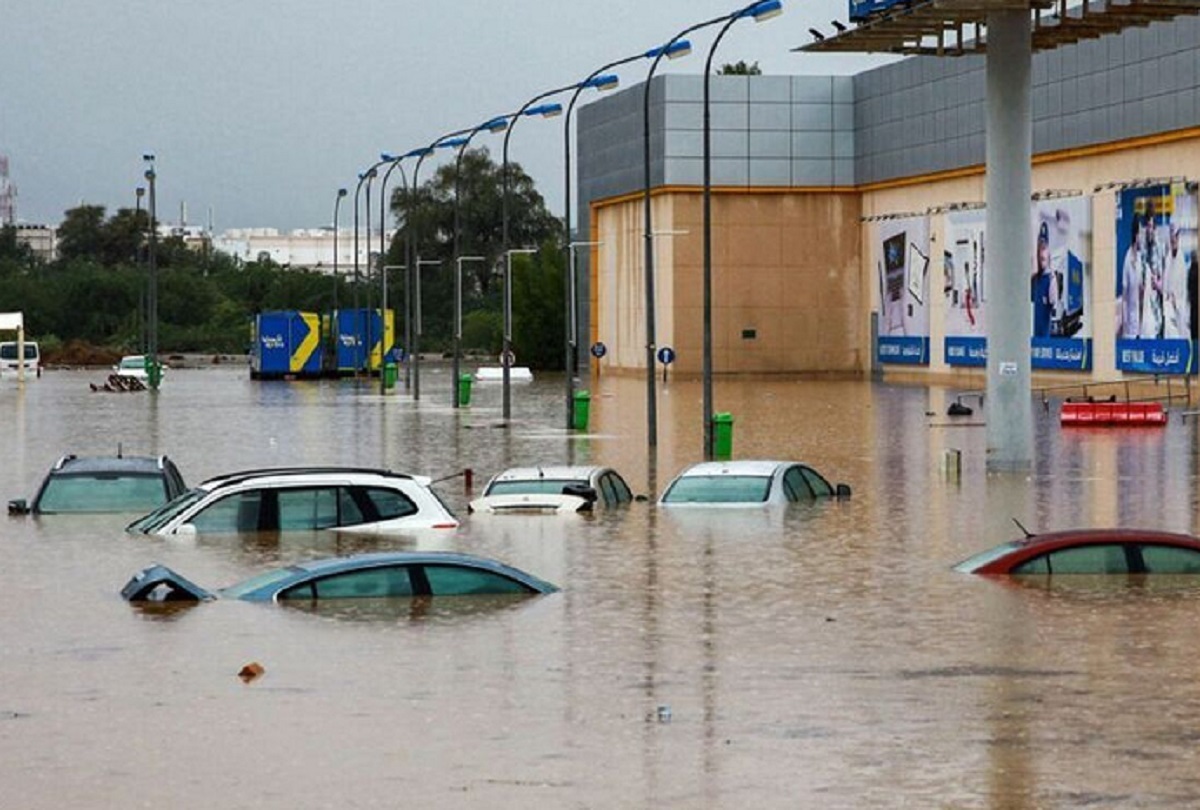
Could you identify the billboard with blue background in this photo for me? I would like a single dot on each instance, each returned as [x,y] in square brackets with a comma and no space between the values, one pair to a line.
[1156,278]
[901,247]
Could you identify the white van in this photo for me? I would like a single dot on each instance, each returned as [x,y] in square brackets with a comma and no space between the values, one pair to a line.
[8,358]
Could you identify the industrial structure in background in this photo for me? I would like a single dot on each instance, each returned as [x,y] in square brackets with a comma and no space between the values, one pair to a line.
[8,195]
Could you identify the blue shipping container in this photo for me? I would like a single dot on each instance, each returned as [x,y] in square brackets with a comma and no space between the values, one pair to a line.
[286,343]
[363,337]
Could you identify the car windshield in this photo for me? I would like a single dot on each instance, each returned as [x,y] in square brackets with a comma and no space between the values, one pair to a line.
[8,351]
[532,486]
[261,581]
[101,492]
[159,517]
[133,363]
[991,555]
[719,489]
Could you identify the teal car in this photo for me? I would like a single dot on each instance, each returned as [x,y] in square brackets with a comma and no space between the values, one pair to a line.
[362,576]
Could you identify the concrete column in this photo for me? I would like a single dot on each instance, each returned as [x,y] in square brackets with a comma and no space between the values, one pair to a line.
[1009,241]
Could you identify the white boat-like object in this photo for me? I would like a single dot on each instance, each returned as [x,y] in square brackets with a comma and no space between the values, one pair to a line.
[485,374]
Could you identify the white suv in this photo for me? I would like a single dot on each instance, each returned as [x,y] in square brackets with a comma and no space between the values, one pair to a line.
[302,499]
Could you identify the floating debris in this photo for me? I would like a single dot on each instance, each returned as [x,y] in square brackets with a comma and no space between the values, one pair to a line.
[251,671]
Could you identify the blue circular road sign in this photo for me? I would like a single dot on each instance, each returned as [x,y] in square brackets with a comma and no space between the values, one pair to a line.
[599,349]
[666,355]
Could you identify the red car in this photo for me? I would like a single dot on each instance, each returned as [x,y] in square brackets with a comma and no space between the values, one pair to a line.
[1090,551]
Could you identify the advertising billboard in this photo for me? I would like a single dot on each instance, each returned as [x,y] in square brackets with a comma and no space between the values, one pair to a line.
[963,267]
[901,248]
[1060,283]
[1156,278]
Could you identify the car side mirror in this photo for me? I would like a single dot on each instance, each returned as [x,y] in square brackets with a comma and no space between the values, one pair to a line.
[589,494]
[843,491]
[187,530]
[18,506]
[641,498]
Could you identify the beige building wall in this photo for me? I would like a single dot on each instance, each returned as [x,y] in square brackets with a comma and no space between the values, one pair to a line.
[1173,155]
[793,285]
[788,287]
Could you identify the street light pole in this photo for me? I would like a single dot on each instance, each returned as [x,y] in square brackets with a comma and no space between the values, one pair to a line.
[458,319]
[394,162]
[572,316]
[601,80]
[494,125]
[758,11]
[337,204]
[140,192]
[506,345]
[677,46]
[152,370]
[362,177]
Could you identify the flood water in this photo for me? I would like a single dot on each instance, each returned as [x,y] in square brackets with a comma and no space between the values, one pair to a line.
[825,656]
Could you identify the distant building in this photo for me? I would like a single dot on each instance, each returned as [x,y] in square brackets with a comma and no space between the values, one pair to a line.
[310,248]
[41,239]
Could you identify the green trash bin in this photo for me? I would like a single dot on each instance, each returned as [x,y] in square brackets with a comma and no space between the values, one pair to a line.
[722,433]
[583,408]
[464,389]
[389,375]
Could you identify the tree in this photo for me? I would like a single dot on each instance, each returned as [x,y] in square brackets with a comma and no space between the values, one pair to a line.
[740,68]
[430,217]
[81,234]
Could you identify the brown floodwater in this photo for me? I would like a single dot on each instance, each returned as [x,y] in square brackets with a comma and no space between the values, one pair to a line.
[824,656]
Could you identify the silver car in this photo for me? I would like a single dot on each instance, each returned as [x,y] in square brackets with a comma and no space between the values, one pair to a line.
[749,483]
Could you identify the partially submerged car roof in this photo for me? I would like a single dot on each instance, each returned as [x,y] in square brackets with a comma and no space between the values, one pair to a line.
[553,472]
[105,464]
[739,467]
[283,472]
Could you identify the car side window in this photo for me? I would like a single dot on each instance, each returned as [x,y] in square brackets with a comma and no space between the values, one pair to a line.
[1170,560]
[794,485]
[350,513]
[390,503]
[369,583]
[1094,559]
[452,580]
[816,483]
[309,508]
[624,495]
[607,491]
[239,512]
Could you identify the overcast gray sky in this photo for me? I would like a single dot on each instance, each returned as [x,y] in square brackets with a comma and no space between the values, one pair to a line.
[258,110]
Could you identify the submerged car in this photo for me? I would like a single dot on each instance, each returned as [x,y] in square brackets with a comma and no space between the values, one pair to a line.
[1090,551]
[134,365]
[104,484]
[363,576]
[302,499]
[749,483]
[552,489]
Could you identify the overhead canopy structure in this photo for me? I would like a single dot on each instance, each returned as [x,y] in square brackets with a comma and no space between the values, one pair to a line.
[958,27]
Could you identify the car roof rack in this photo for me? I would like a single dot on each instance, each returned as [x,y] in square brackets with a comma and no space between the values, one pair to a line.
[242,475]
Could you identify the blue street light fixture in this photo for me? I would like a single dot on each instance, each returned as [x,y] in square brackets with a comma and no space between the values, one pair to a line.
[492,125]
[601,80]
[760,11]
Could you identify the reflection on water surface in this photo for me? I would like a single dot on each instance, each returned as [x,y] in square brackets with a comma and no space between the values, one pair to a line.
[820,656]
